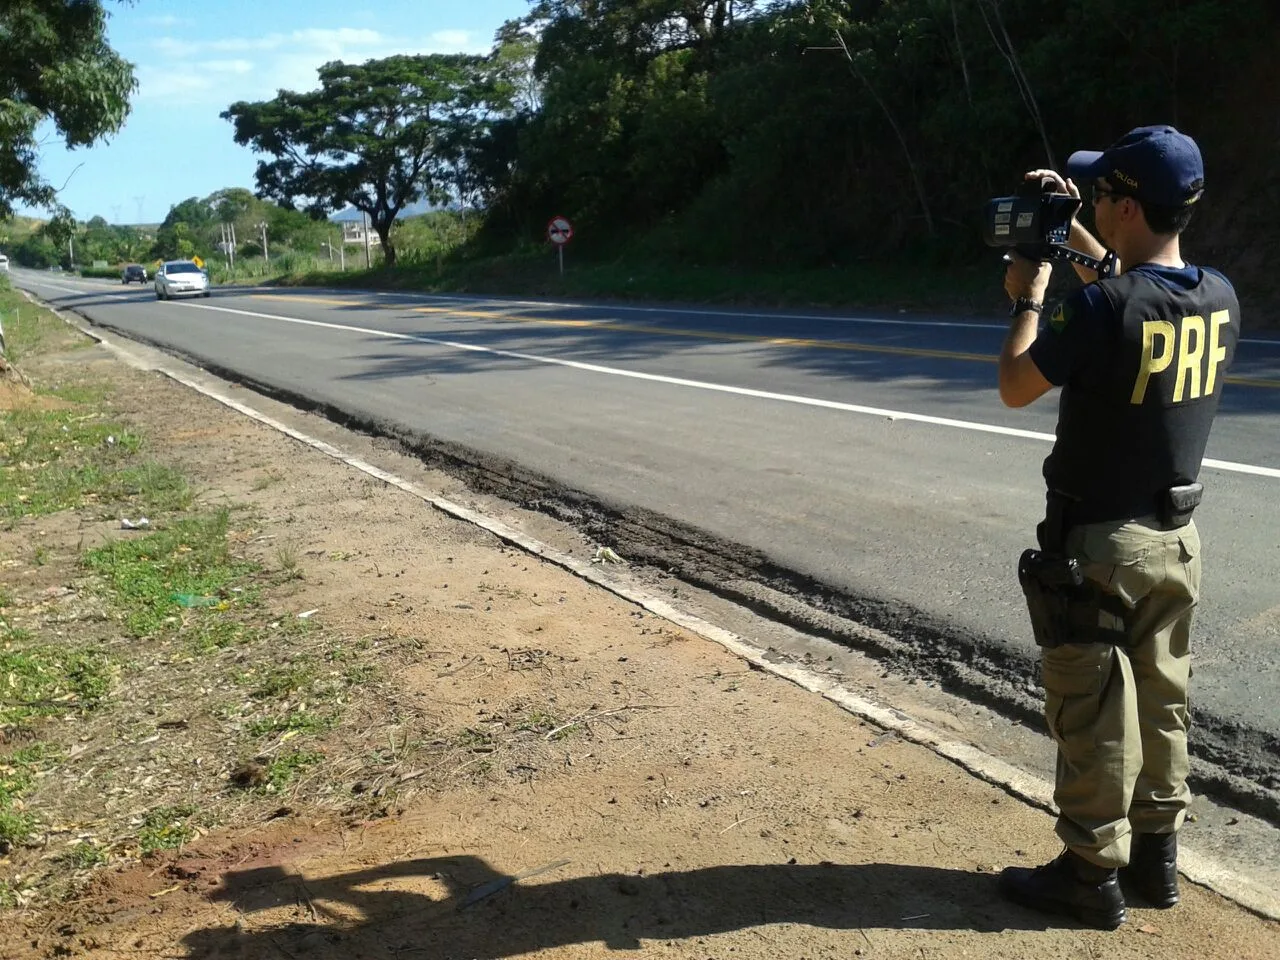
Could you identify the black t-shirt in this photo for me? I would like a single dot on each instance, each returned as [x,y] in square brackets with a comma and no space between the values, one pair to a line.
[1142,359]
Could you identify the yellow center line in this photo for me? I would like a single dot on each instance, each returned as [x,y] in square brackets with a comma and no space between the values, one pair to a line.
[723,336]
[303,298]
[716,335]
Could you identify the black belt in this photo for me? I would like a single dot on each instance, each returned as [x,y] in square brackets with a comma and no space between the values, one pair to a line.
[1172,509]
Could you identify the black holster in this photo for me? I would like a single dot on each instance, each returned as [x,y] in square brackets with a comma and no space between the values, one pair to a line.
[1065,606]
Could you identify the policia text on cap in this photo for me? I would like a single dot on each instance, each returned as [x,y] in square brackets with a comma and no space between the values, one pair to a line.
[1141,352]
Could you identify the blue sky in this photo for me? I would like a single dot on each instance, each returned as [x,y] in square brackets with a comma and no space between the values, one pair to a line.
[193,59]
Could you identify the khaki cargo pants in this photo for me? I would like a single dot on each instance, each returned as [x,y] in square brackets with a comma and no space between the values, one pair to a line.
[1119,714]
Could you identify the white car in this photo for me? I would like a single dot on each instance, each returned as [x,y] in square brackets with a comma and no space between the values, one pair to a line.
[179,278]
[4,262]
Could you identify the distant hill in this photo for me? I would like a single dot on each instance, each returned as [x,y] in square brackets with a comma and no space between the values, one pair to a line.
[352,215]
[17,228]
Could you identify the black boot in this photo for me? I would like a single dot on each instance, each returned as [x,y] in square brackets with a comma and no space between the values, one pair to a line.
[1152,872]
[1069,885]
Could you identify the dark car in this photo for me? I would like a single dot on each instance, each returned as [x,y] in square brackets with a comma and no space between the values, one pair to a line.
[134,272]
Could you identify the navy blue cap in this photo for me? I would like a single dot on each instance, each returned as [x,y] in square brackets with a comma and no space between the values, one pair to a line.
[1158,165]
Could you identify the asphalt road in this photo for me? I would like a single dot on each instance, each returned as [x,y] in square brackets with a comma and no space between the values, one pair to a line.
[869,452]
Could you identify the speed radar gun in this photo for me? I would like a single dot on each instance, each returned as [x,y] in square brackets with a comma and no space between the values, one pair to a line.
[1065,606]
[1036,223]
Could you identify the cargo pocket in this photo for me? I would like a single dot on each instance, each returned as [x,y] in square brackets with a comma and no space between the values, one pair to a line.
[1118,559]
[1188,567]
[1073,676]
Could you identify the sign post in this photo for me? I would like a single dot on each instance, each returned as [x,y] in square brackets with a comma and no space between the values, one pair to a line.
[560,232]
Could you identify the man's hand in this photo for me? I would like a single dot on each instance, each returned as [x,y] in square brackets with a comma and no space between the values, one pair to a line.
[1059,185]
[1081,239]
[1026,278]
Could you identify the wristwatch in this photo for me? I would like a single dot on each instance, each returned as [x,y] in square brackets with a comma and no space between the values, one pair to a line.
[1023,304]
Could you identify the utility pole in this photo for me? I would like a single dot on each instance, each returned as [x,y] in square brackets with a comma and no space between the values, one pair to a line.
[368,258]
[71,250]
[263,227]
[342,250]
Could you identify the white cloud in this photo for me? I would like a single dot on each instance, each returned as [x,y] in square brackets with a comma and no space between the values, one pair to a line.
[275,61]
[454,40]
[164,84]
[227,66]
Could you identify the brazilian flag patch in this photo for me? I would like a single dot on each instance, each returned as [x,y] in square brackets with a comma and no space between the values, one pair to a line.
[1058,319]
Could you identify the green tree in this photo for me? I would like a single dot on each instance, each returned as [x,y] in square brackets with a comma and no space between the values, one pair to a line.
[372,137]
[55,66]
[188,229]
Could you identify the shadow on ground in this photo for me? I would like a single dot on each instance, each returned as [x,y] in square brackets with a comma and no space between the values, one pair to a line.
[489,914]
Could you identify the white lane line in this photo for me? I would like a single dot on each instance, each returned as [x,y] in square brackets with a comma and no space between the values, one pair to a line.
[677,311]
[701,384]
[54,286]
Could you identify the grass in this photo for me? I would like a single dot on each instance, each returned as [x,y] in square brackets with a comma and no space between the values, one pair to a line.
[434,256]
[216,631]
[538,722]
[472,739]
[100,273]
[40,680]
[18,773]
[25,325]
[968,288]
[52,460]
[10,895]
[287,560]
[85,856]
[359,674]
[83,394]
[15,828]
[152,578]
[299,721]
[282,681]
[282,770]
[266,480]
[167,828]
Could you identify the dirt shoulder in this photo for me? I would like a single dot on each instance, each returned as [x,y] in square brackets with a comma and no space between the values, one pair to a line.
[350,740]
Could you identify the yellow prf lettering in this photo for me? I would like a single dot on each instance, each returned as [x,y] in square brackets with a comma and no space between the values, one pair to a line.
[1189,358]
[1217,352]
[1151,363]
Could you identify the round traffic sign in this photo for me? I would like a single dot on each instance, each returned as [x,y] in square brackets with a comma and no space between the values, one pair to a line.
[559,230]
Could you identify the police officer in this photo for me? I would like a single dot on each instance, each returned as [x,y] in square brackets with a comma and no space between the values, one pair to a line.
[1141,357]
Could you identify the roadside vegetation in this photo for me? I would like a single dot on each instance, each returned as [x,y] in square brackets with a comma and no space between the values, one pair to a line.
[160,677]
[139,635]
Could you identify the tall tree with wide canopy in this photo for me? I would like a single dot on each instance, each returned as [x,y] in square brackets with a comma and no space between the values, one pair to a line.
[375,136]
[55,65]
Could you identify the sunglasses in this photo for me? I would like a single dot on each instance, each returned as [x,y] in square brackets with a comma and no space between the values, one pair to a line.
[1101,193]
